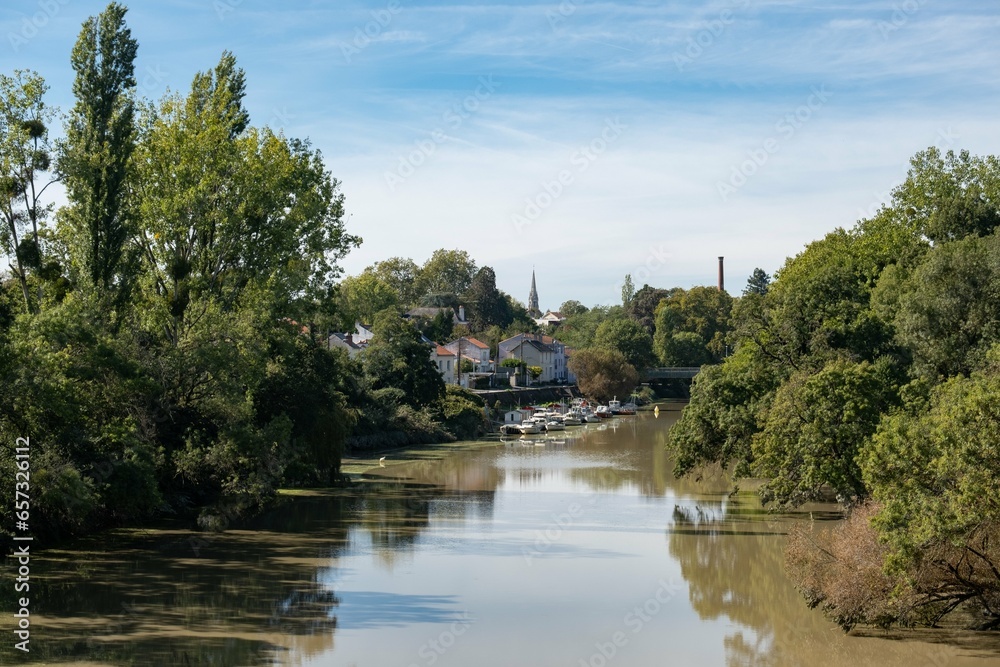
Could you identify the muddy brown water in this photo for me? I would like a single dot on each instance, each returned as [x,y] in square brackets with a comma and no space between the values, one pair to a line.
[578,549]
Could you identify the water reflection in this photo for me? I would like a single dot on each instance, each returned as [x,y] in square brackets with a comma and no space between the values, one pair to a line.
[544,543]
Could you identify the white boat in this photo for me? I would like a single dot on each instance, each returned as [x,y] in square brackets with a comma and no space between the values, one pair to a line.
[615,406]
[572,418]
[591,418]
[530,426]
[603,411]
[554,424]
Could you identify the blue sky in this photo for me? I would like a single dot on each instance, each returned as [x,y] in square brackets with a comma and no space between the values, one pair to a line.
[585,139]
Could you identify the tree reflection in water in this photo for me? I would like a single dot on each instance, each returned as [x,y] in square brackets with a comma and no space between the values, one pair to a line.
[731,555]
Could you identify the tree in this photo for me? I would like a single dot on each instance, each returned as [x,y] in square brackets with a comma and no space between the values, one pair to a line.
[487,305]
[534,372]
[361,297]
[627,337]
[398,358]
[230,213]
[816,427]
[642,307]
[571,308]
[579,330]
[25,157]
[757,283]
[948,309]
[603,374]
[96,159]
[447,271]
[400,273]
[719,423]
[628,290]
[935,469]
[951,196]
[703,311]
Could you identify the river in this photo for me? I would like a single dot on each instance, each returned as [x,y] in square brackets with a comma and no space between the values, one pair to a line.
[580,549]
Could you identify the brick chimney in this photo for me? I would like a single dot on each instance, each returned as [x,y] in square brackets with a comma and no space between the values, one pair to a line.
[722,285]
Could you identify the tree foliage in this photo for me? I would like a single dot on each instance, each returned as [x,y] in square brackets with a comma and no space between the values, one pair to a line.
[96,160]
[25,159]
[701,311]
[603,374]
[627,337]
[868,369]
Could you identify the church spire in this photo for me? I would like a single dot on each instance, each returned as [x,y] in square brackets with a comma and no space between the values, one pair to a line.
[533,297]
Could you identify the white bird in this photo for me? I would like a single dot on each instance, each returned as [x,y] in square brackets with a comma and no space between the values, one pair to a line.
[381,462]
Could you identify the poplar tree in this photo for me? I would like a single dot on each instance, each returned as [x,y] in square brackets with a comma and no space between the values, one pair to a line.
[96,157]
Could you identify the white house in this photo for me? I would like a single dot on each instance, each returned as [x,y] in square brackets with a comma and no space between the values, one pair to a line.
[474,350]
[550,317]
[363,333]
[345,341]
[446,361]
[538,350]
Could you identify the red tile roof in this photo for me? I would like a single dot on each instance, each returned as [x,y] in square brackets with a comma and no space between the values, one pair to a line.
[442,351]
[477,343]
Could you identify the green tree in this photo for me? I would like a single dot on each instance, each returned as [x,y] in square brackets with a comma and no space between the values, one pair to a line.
[231,213]
[950,196]
[487,305]
[361,297]
[603,374]
[642,307]
[816,427]
[398,358]
[757,283]
[627,337]
[628,290]
[96,159]
[948,309]
[703,311]
[579,330]
[447,271]
[571,308]
[400,273]
[719,423]
[25,159]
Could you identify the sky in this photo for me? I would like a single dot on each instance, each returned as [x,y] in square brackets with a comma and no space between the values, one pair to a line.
[584,140]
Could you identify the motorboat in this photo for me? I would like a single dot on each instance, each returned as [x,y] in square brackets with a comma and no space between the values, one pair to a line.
[554,424]
[572,418]
[603,411]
